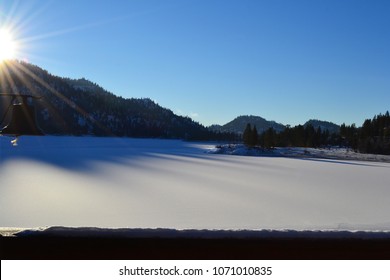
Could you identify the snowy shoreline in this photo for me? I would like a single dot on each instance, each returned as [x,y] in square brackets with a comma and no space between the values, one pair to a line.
[333,153]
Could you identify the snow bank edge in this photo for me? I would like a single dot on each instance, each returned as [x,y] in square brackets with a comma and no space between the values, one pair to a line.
[91,232]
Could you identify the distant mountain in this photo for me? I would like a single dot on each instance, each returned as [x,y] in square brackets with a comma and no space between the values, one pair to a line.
[238,125]
[215,127]
[81,107]
[324,125]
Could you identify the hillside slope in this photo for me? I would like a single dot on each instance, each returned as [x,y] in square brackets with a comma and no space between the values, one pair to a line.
[80,107]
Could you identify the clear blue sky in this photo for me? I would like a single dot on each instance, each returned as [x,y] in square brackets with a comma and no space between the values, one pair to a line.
[213,60]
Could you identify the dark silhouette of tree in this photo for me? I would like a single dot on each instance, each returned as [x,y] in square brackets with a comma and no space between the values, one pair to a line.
[374,135]
[254,136]
[247,135]
[269,139]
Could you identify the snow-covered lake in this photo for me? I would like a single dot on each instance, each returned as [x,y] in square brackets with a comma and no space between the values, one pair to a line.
[149,183]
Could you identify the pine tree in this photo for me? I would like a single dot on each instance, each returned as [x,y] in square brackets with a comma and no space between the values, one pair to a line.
[269,138]
[254,137]
[247,135]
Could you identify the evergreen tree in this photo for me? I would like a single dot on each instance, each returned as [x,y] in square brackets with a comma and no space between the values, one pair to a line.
[269,138]
[247,136]
[254,137]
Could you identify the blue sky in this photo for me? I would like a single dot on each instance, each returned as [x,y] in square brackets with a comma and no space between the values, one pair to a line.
[213,60]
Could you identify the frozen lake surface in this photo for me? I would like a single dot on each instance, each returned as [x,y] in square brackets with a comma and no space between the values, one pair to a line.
[149,183]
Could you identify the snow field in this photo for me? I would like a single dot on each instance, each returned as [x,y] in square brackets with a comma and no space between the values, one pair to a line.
[152,183]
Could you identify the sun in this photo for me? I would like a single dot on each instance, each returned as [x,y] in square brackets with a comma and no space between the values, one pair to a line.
[8,45]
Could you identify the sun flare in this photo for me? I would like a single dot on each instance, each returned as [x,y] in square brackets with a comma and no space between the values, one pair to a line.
[8,45]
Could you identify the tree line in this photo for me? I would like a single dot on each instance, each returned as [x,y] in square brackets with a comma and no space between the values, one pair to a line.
[372,137]
[298,136]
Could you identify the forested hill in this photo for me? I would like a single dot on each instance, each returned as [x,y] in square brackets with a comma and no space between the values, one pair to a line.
[80,107]
[238,125]
[323,125]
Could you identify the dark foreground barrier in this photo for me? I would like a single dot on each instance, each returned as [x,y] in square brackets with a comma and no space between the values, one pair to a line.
[95,244]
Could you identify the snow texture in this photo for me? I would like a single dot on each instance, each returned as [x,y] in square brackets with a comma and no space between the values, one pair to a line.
[153,183]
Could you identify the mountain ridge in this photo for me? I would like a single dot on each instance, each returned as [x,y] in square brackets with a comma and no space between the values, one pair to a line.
[324,125]
[238,125]
[82,107]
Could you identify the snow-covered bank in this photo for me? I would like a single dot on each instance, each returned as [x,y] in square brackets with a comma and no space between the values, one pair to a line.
[150,183]
[297,152]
